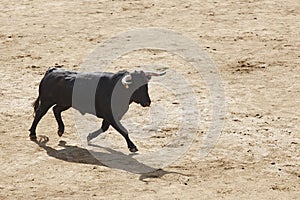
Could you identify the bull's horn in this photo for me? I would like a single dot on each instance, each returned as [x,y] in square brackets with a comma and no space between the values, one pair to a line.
[126,80]
[154,74]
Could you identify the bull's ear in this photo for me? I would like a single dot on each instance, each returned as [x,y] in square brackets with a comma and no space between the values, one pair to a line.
[126,80]
[126,86]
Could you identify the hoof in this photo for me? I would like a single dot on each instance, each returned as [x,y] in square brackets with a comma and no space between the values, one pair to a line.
[60,133]
[89,138]
[33,137]
[133,149]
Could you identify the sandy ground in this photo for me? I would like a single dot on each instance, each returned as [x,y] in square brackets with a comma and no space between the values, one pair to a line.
[255,45]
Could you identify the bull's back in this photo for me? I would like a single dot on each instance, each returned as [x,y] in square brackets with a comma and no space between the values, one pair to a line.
[86,92]
[57,86]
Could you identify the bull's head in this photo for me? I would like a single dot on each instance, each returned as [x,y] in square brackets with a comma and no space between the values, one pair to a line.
[137,82]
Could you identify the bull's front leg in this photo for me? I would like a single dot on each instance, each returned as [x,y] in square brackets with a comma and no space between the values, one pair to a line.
[120,128]
[104,127]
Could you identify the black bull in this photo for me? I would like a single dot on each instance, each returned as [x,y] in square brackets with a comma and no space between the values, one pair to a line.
[106,95]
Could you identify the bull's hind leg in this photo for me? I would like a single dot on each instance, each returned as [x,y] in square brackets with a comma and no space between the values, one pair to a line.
[40,112]
[57,113]
[104,127]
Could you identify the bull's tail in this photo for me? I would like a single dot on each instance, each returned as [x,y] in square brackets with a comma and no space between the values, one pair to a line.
[37,102]
[36,105]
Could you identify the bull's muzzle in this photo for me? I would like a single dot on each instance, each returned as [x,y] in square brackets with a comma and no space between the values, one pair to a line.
[146,104]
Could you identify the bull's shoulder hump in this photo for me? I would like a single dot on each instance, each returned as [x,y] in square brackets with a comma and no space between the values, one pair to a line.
[88,75]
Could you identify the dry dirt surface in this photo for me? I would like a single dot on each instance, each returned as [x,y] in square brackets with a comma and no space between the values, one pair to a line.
[254,44]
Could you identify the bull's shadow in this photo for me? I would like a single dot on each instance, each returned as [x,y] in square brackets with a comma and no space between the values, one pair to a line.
[114,159]
[69,153]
